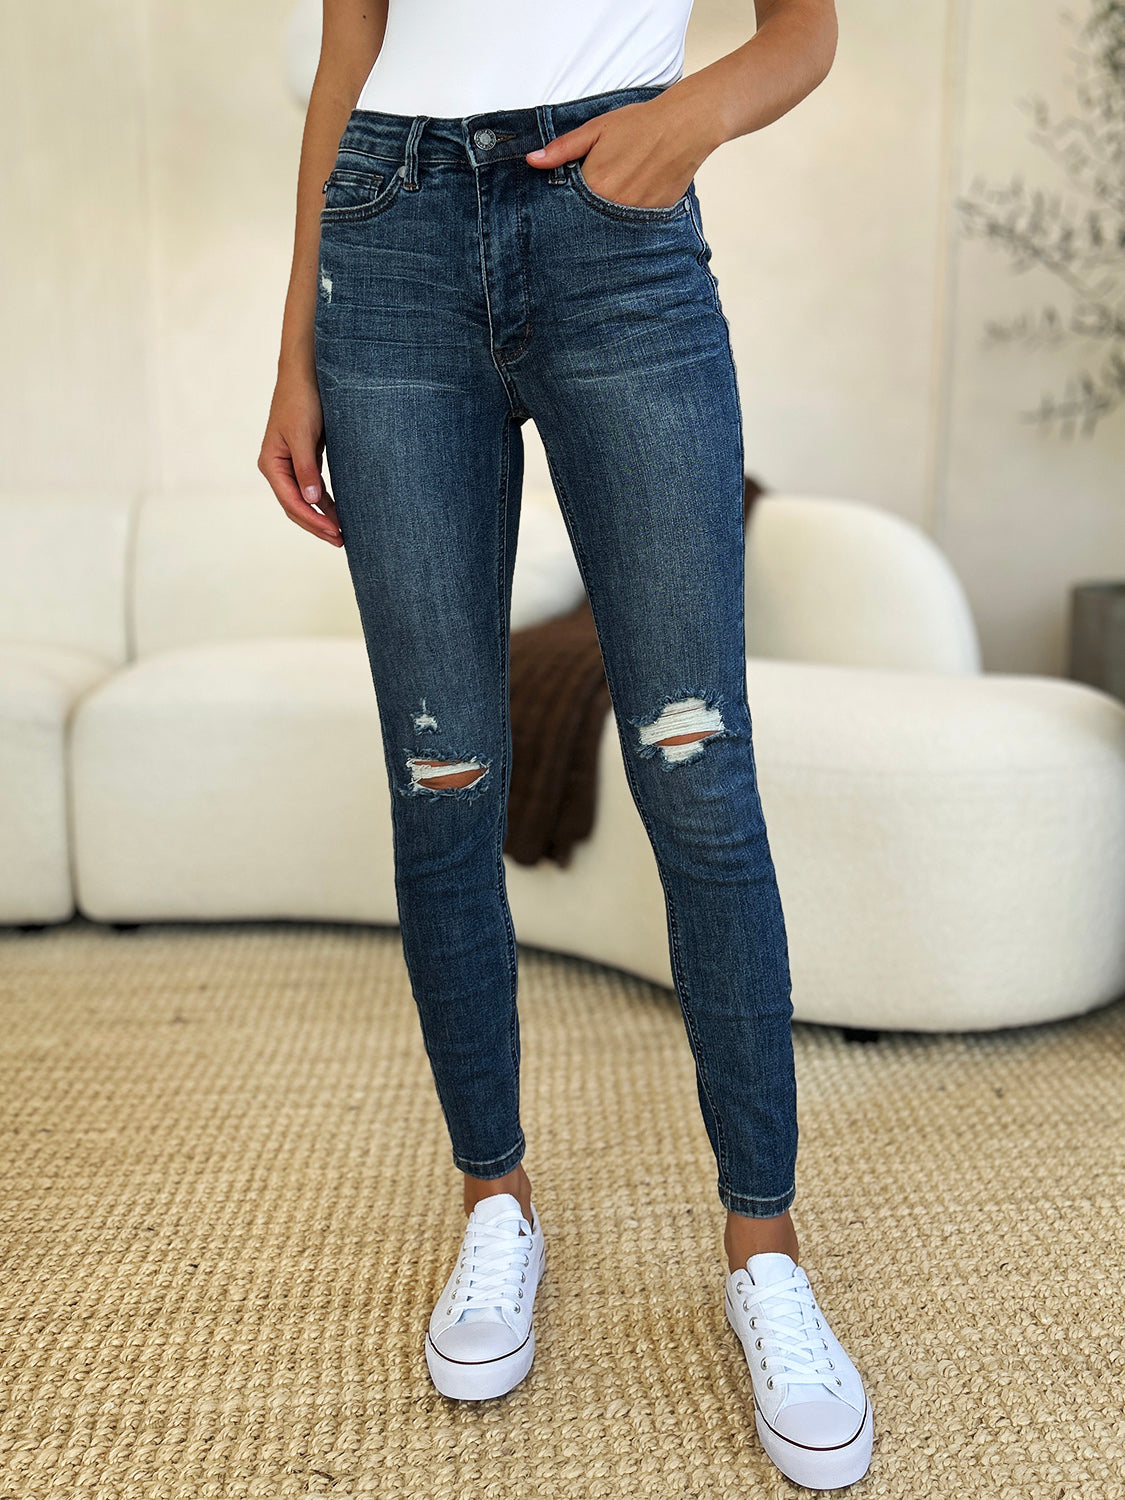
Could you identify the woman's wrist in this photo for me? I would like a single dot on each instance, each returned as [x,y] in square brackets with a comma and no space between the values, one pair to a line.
[297,361]
[788,56]
[700,101]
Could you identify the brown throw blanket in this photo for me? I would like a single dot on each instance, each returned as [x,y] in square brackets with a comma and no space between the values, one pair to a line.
[559,700]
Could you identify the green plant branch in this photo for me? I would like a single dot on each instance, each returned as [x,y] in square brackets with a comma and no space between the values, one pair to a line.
[1089,149]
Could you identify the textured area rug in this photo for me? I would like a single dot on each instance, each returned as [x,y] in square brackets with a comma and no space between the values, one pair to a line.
[228,1205]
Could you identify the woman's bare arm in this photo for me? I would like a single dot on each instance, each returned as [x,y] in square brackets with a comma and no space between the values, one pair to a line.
[789,55]
[294,440]
[647,153]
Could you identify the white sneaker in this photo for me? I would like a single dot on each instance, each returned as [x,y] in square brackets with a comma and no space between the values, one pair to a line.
[811,1410]
[480,1342]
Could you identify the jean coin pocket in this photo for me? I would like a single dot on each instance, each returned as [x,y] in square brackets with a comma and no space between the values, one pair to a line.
[356,193]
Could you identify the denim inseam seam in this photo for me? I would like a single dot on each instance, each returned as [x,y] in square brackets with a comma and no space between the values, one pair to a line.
[575,541]
[501,581]
[689,1020]
[564,502]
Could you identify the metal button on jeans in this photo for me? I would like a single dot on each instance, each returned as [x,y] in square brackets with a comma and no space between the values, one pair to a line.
[485,139]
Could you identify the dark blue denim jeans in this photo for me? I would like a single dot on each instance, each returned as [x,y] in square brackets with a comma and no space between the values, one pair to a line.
[462,291]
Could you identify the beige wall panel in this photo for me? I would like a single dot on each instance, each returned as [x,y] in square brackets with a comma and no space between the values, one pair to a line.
[826,229]
[225,141]
[1026,512]
[73,247]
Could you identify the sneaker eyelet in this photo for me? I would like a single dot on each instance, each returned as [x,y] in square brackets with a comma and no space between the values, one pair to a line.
[831,1366]
[762,1363]
[769,1382]
[521,1291]
[838,1380]
[745,1307]
[753,1322]
[757,1343]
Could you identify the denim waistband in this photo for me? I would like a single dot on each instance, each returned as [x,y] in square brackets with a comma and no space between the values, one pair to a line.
[478,140]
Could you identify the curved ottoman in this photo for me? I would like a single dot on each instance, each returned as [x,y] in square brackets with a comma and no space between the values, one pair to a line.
[950,849]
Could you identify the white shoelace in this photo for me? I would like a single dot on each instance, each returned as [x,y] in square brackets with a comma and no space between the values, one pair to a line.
[790,1346]
[492,1267]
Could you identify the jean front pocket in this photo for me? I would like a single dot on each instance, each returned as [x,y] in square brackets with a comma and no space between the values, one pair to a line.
[625,211]
[356,190]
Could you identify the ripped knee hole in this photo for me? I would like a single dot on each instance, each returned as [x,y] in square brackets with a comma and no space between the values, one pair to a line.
[681,729]
[444,775]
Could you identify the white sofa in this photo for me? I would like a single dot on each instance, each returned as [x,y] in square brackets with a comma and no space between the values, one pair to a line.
[185,680]
[62,630]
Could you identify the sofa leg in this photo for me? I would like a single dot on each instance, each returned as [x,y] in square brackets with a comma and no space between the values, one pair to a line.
[861,1034]
[125,926]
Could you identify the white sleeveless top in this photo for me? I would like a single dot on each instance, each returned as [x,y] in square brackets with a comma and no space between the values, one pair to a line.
[453,57]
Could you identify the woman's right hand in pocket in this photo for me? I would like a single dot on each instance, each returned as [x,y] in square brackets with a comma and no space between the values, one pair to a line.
[291,455]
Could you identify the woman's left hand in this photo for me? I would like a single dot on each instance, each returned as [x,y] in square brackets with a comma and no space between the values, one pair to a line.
[641,155]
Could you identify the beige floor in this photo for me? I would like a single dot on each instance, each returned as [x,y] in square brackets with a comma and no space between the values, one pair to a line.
[228,1204]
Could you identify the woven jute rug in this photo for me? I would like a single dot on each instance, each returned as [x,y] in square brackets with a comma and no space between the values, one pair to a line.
[228,1205]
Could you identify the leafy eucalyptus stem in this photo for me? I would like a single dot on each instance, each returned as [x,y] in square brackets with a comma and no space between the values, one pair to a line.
[1080,243]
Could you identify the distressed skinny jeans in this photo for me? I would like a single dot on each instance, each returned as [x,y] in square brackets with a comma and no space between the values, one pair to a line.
[460,292]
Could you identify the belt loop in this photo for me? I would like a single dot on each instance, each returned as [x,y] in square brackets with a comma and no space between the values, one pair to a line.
[410,169]
[545,116]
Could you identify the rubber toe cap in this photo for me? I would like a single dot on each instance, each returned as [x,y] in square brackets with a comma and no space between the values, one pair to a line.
[818,1424]
[477,1341]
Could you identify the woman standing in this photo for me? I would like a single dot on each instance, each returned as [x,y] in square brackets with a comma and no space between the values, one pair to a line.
[509,230]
